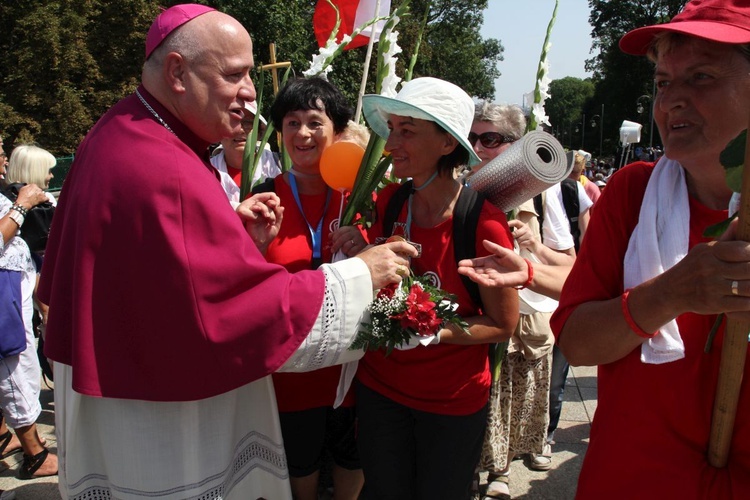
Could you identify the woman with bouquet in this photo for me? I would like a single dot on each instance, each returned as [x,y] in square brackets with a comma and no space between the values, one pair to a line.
[311,115]
[422,411]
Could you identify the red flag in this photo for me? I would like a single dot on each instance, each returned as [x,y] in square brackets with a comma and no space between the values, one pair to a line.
[354,13]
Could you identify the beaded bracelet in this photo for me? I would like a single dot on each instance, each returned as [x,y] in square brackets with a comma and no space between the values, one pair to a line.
[629,319]
[529,279]
[20,210]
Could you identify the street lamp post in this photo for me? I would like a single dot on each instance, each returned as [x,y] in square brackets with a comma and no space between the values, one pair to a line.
[583,131]
[601,127]
[640,109]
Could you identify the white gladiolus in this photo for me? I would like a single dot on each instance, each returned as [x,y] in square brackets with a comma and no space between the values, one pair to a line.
[537,109]
[541,93]
[391,80]
[322,61]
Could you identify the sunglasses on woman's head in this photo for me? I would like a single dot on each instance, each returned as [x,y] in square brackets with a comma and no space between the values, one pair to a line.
[490,140]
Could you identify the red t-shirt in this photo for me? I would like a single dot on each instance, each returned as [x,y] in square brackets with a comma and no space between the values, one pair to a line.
[445,379]
[235,174]
[649,438]
[292,248]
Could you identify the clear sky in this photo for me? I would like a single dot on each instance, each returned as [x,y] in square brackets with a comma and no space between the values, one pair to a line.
[521,25]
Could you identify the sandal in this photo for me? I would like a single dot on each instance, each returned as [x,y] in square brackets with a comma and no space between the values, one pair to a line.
[31,464]
[543,461]
[498,488]
[4,442]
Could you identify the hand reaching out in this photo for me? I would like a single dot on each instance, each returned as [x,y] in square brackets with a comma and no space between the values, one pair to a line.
[504,268]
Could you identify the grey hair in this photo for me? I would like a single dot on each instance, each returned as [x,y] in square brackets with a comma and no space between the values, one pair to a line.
[664,42]
[509,119]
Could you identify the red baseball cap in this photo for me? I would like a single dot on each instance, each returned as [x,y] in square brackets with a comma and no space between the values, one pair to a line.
[171,19]
[725,21]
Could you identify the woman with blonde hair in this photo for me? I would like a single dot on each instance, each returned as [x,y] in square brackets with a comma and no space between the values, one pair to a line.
[30,164]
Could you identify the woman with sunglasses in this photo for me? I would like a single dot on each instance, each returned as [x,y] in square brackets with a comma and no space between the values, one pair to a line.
[495,128]
[519,400]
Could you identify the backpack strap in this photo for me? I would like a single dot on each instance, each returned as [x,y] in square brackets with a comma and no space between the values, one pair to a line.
[267,186]
[465,220]
[394,207]
[569,189]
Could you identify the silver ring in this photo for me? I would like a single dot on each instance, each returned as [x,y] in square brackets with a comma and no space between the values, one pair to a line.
[352,242]
[735,287]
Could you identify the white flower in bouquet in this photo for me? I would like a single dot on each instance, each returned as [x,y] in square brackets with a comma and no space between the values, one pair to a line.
[322,62]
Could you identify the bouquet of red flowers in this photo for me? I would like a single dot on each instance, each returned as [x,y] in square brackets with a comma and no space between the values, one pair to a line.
[404,310]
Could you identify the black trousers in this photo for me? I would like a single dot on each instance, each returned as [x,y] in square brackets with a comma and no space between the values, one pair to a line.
[415,455]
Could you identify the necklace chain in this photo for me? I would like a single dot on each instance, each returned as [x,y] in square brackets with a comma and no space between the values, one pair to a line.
[153,112]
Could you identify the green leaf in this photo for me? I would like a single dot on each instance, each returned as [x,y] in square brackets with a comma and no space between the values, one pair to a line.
[733,158]
[733,176]
[718,229]
[734,154]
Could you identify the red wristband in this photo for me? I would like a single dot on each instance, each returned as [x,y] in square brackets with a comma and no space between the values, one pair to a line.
[629,319]
[530,278]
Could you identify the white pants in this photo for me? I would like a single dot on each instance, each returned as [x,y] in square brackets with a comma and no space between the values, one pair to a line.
[20,375]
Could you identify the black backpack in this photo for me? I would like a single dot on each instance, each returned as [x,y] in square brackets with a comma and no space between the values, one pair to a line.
[38,220]
[572,206]
[465,219]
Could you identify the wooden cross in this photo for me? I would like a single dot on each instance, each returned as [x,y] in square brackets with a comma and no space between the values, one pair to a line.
[274,67]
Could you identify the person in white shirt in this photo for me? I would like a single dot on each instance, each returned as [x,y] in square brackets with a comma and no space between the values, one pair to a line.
[227,158]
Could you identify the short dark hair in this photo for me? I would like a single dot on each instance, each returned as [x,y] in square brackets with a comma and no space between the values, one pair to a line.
[311,93]
[447,164]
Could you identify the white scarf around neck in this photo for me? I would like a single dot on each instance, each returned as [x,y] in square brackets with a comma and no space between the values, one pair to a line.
[658,242]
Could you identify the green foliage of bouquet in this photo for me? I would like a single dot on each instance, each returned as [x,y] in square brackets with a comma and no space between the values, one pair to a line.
[402,310]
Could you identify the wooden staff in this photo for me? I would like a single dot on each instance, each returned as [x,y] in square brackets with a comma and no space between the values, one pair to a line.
[733,353]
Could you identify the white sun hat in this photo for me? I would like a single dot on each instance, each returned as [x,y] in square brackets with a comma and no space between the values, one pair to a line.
[252,106]
[425,98]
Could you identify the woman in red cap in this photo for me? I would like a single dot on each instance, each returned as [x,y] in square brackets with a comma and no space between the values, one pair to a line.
[648,286]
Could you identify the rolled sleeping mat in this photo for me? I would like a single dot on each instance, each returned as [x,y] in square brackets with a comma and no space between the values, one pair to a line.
[529,166]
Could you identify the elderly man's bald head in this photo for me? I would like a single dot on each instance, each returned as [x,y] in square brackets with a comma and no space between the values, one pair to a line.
[201,74]
[195,38]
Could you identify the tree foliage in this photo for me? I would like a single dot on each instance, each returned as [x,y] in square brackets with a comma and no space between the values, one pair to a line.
[620,79]
[66,62]
[569,96]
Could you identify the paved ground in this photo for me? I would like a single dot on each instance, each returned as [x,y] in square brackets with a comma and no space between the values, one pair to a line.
[571,438]
[559,483]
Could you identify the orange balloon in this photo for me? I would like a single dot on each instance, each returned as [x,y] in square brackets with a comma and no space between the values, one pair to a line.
[339,164]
